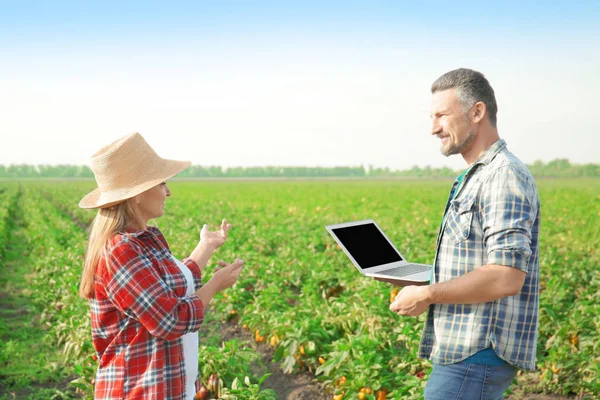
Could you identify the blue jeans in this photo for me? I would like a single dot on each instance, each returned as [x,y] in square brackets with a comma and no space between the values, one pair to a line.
[464,381]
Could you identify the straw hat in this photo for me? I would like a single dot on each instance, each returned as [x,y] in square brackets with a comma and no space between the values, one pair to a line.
[126,168]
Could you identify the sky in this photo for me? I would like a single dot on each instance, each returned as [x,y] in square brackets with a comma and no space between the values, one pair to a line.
[307,83]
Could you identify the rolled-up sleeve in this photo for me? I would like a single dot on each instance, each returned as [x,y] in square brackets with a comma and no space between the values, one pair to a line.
[135,287]
[196,273]
[508,206]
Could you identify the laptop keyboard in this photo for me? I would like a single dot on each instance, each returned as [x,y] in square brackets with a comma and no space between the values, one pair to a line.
[407,270]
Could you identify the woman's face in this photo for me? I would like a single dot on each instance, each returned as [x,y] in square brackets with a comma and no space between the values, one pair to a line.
[152,202]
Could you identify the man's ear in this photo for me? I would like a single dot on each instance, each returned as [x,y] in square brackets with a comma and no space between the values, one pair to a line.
[478,111]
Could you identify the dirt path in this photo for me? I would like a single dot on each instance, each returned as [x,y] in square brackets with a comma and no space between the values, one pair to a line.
[542,397]
[302,386]
[531,379]
[297,386]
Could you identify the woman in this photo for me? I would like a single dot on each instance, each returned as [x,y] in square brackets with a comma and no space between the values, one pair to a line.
[146,305]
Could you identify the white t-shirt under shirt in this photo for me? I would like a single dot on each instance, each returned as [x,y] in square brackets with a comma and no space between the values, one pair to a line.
[190,340]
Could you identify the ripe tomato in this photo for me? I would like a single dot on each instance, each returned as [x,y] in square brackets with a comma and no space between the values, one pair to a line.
[203,393]
[258,337]
[393,295]
[274,340]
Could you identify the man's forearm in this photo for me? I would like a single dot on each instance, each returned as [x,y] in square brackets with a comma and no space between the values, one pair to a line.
[486,283]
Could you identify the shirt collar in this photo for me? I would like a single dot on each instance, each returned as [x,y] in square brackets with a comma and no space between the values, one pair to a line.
[488,156]
[490,153]
[149,231]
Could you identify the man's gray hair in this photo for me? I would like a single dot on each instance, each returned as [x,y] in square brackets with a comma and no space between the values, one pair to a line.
[471,87]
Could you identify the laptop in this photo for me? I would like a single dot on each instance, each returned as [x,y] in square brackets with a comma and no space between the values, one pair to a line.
[373,253]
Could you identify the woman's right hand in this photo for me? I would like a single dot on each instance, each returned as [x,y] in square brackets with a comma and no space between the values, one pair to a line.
[224,277]
[227,274]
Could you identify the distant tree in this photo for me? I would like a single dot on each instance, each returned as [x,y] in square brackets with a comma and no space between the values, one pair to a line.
[555,168]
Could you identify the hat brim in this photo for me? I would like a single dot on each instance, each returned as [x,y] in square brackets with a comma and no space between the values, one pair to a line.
[99,199]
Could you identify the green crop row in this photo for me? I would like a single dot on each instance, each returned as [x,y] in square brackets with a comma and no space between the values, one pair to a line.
[57,246]
[56,242]
[8,197]
[298,291]
[569,343]
[300,294]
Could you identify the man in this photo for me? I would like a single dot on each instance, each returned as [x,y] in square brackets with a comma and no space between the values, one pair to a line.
[483,299]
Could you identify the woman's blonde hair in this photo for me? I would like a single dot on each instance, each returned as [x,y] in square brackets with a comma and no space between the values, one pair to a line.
[106,224]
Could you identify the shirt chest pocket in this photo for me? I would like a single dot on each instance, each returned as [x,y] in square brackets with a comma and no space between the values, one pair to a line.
[460,218]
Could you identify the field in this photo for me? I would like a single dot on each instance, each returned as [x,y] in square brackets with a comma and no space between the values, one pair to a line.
[298,294]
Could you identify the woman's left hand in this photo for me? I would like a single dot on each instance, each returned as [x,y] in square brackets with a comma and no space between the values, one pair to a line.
[215,239]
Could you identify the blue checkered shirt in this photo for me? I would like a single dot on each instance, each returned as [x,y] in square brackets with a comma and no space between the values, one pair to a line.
[494,218]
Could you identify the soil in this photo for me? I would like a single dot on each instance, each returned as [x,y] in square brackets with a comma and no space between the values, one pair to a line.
[303,386]
[541,397]
[297,386]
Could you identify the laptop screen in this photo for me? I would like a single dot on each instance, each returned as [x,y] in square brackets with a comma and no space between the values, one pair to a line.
[367,245]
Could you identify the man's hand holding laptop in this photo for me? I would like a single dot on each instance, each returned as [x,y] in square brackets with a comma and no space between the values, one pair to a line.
[400,282]
[411,301]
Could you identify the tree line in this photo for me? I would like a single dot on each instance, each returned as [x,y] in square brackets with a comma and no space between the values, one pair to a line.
[559,168]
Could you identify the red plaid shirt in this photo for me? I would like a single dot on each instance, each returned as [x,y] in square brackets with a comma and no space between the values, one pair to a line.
[139,314]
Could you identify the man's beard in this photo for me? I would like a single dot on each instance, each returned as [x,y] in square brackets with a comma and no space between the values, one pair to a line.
[457,148]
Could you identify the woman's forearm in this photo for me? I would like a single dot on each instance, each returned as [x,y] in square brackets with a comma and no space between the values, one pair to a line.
[206,293]
[201,254]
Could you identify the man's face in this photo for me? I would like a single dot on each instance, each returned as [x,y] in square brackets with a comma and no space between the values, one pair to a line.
[450,123]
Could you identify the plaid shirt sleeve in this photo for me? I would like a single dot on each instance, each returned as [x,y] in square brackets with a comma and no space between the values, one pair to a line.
[134,286]
[508,209]
[195,269]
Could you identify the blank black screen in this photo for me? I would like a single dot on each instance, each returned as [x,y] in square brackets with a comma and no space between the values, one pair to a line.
[367,245]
